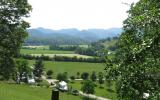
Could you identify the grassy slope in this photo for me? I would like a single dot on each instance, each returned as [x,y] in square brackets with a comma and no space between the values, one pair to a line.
[25,92]
[98,91]
[72,67]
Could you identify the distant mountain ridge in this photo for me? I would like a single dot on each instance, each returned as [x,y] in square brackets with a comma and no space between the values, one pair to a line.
[72,35]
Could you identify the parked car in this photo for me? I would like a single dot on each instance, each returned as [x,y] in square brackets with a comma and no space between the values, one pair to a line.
[75,92]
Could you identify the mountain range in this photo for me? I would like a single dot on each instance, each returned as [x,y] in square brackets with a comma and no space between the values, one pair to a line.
[72,35]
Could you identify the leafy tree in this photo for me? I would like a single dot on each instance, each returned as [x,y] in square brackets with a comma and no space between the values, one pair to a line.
[12,33]
[100,78]
[62,77]
[49,73]
[88,87]
[139,46]
[93,76]
[38,68]
[84,75]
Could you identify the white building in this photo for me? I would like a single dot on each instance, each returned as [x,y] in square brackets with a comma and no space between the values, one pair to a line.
[63,86]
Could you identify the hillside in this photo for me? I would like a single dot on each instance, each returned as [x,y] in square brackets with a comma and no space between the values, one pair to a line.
[44,36]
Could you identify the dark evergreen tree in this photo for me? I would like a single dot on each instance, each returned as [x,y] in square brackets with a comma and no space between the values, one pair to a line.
[93,76]
[84,75]
[38,68]
[100,78]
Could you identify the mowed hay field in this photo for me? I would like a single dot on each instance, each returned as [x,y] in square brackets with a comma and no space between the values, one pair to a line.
[45,51]
[26,92]
[71,67]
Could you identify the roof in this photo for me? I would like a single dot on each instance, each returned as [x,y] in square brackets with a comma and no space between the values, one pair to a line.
[62,83]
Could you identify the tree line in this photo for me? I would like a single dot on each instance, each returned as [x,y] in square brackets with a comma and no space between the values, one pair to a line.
[64,58]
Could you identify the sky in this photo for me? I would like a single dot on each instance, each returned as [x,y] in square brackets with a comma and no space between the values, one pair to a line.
[80,14]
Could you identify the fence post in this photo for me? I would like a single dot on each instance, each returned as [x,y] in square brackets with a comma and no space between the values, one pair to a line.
[55,94]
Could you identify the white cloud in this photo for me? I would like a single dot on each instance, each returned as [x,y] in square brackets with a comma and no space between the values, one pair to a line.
[82,14]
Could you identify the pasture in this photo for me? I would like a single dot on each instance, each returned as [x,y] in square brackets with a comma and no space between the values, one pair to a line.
[71,67]
[26,92]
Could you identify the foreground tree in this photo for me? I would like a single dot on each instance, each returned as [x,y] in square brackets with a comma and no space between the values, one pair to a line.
[12,33]
[140,49]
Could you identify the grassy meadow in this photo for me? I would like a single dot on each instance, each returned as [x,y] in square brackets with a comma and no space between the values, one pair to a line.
[26,92]
[71,67]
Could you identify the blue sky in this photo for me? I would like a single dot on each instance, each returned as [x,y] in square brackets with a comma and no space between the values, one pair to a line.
[81,14]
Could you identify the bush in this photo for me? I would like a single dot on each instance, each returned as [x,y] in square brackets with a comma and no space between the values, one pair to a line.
[72,78]
[88,87]
[85,75]
[49,74]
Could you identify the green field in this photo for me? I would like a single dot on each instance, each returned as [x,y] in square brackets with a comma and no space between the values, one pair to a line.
[41,51]
[72,67]
[26,92]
